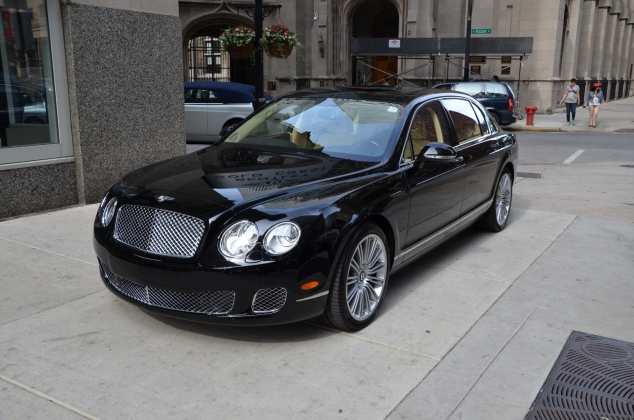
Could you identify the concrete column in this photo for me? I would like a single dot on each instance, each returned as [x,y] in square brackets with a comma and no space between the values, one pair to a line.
[451,24]
[125,82]
[600,24]
[610,39]
[585,39]
[619,47]
[571,40]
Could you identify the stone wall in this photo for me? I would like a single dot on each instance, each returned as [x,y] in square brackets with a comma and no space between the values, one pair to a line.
[126,92]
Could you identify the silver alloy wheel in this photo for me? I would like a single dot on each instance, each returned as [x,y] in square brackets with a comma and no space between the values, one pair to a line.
[503,199]
[366,277]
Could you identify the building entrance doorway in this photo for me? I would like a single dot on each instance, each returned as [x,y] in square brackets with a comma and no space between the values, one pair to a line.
[378,19]
[207,61]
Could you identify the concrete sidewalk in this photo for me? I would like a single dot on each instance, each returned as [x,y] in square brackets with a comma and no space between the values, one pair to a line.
[617,117]
[469,331]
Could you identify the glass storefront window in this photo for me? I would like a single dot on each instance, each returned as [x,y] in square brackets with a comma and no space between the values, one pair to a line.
[27,94]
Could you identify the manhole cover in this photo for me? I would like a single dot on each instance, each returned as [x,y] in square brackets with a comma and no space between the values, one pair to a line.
[592,379]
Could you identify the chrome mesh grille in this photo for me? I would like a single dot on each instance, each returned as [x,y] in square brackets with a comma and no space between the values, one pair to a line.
[206,302]
[268,300]
[160,232]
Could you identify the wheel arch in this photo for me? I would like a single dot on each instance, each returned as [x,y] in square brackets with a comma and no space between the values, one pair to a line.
[386,227]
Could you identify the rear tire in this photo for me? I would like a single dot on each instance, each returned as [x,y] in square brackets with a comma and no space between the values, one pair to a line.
[497,119]
[496,217]
[360,280]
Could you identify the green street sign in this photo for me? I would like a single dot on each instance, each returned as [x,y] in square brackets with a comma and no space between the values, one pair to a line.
[481,32]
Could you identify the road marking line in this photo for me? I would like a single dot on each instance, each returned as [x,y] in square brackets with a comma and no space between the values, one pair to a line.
[574,156]
[46,250]
[48,397]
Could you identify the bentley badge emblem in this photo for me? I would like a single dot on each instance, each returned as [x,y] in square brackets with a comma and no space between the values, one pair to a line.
[162,198]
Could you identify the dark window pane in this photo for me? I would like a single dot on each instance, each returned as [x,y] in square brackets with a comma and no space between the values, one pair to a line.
[464,119]
[27,95]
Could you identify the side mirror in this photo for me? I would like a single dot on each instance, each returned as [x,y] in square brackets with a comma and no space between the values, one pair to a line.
[435,152]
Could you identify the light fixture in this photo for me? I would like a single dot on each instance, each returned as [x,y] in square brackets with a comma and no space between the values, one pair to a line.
[320,43]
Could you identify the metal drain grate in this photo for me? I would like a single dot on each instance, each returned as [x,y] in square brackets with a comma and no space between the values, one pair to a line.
[592,379]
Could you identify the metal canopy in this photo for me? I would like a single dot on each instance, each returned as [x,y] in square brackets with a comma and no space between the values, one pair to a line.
[519,46]
[381,46]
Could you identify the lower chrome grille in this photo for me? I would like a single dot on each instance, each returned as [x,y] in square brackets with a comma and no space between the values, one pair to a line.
[268,300]
[160,232]
[206,302]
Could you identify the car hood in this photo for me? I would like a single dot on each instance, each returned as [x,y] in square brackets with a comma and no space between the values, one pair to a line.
[233,176]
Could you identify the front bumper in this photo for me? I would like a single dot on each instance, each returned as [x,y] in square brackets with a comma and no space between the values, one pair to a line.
[249,295]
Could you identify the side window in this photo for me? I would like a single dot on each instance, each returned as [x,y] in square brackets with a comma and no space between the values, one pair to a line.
[482,119]
[201,96]
[496,90]
[407,152]
[427,127]
[472,89]
[464,119]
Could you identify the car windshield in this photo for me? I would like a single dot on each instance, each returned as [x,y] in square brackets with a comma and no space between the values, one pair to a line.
[346,128]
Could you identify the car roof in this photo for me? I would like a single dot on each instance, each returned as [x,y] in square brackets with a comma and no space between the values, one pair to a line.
[398,95]
[230,92]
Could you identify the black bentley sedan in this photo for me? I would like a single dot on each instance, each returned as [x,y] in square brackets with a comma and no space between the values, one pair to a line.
[306,207]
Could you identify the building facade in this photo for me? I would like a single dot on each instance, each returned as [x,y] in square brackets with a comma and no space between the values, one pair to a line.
[89,91]
[591,40]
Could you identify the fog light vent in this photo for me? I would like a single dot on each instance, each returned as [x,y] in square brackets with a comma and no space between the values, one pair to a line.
[268,301]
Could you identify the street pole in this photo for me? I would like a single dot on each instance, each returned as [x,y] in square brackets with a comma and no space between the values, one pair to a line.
[259,64]
[467,53]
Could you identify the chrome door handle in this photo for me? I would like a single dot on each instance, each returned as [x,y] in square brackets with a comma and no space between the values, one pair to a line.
[495,145]
[458,160]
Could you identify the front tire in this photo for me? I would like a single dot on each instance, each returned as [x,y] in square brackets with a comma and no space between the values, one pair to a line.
[360,280]
[495,219]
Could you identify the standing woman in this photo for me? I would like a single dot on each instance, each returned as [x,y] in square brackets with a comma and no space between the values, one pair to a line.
[594,100]
[571,96]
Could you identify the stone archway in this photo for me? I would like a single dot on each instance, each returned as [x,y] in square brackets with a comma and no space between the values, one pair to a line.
[204,59]
[377,19]
[371,11]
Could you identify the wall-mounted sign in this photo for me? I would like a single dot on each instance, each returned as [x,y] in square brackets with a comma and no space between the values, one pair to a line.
[395,43]
[476,69]
[481,32]
[477,59]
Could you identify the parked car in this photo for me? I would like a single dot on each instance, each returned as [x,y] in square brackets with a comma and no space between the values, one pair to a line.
[497,97]
[306,208]
[211,107]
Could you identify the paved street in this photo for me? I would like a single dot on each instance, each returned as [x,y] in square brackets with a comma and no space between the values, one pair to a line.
[469,331]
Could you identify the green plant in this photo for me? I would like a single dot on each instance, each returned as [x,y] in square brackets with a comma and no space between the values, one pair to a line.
[281,35]
[238,36]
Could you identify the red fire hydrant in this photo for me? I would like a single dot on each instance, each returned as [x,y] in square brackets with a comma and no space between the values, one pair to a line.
[530,114]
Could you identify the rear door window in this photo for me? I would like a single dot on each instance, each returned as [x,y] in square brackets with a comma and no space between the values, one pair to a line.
[471,89]
[464,119]
[496,90]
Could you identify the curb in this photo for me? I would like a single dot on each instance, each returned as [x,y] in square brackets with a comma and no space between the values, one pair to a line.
[534,129]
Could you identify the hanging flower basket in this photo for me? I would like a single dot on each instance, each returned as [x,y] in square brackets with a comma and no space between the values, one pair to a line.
[238,41]
[240,51]
[278,41]
[278,50]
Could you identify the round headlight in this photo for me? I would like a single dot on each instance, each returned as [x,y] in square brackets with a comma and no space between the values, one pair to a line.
[281,238]
[239,239]
[107,213]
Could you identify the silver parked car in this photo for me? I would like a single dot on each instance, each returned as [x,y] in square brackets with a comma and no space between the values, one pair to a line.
[211,107]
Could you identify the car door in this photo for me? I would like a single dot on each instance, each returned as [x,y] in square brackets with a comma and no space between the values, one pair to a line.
[436,187]
[217,114]
[477,147]
[195,114]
